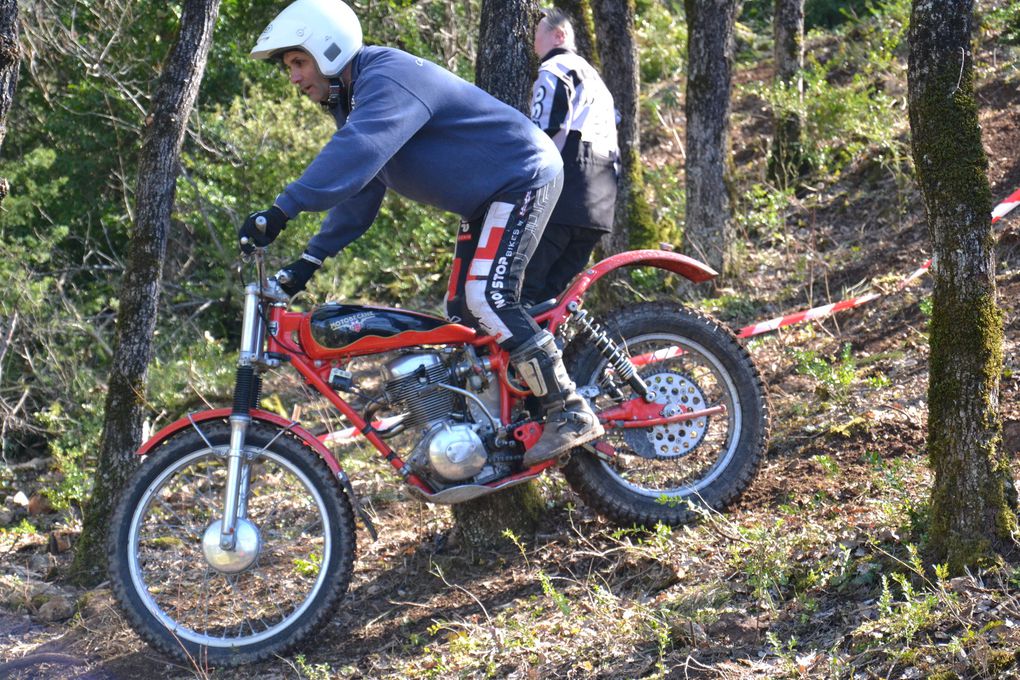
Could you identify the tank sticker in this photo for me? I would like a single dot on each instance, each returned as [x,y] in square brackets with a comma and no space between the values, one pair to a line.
[352,323]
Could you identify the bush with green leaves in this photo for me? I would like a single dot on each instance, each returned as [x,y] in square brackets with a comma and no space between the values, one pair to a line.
[662,40]
[849,107]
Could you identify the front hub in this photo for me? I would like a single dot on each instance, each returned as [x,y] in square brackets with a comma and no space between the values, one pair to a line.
[246,547]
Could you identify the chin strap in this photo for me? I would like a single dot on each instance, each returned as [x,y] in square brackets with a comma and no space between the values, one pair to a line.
[336,91]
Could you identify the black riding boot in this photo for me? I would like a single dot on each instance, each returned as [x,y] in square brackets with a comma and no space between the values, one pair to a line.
[569,420]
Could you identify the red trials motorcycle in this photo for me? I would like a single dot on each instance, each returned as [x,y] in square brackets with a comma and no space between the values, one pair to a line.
[234,540]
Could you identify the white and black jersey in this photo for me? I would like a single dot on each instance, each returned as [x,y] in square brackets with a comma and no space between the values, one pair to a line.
[572,104]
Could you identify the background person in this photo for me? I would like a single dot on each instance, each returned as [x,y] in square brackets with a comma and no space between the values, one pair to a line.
[574,107]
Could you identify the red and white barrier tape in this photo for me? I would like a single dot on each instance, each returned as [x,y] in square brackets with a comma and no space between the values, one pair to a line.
[349,435]
[1001,210]
[806,315]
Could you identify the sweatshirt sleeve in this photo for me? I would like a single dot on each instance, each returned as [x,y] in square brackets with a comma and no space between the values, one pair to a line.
[346,222]
[385,116]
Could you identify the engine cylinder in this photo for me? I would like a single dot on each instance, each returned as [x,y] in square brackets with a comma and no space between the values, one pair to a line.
[409,381]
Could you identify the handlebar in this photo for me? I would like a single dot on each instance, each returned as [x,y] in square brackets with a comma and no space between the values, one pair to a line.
[260,224]
[268,286]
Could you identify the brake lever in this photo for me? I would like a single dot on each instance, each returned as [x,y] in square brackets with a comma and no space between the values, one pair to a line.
[257,252]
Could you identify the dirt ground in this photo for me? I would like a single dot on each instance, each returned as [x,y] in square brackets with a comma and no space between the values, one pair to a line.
[855,240]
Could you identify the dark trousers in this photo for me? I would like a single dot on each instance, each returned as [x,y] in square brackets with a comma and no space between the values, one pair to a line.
[562,253]
[489,262]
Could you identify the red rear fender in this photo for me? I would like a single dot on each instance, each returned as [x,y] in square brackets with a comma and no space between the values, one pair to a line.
[687,267]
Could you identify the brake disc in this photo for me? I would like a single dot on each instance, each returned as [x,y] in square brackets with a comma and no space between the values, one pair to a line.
[678,438]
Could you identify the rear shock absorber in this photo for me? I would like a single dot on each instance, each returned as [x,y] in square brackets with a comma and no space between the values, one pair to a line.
[611,351]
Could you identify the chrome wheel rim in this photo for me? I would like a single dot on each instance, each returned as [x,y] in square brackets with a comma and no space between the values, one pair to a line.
[195,601]
[716,437]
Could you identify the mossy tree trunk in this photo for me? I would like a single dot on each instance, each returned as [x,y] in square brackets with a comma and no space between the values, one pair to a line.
[708,224]
[786,158]
[581,18]
[634,226]
[10,60]
[973,504]
[506,68]
[139,295]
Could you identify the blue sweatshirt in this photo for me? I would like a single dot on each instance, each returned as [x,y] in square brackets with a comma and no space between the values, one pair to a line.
[420,130]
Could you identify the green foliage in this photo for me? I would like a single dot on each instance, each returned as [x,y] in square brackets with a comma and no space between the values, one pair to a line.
[828,465]
[833,13]
[309,671]
[925,305]
[757,14]
[818,14]
[662,41]
[668,201]
[443,32]
[842,123]
[561,602]
[198,373]
[73,447]
[380,267]
[308,567]
[728,306]
[21,529]
[1006,21]
[767,556]
[853,106]
[836,377]
[902,618]
[763,213]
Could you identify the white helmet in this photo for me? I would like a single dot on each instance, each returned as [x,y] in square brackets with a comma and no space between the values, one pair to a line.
[326,29]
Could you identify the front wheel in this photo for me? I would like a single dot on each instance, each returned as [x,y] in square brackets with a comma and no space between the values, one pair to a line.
[661,474]
[203,605]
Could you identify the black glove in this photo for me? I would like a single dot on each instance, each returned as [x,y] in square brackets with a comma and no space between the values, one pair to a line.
[276,220]
[295,276]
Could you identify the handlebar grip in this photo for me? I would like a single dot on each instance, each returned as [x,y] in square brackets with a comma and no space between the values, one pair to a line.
[260,223]
[284,276]
[245,240]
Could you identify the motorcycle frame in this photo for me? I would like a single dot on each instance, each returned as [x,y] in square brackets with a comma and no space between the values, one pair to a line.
[279,340]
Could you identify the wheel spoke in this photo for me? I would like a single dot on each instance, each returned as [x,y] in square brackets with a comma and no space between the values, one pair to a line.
[194,599]
[675,457]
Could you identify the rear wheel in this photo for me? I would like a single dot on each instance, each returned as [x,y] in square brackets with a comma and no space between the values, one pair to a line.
[192,601]
[658,474]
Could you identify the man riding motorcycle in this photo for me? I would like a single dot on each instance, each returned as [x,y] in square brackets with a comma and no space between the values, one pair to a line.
[406,124]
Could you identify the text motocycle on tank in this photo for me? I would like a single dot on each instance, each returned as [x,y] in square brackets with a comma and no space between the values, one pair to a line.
[235,538]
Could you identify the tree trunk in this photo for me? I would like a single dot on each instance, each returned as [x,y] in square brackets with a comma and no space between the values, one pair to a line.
[505,68]
[580,15]
[973,505]
[786,160]
[708,230]
[614,23]
[10,60]
[157,175]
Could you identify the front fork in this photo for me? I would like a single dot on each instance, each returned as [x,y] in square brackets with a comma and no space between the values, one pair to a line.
[246,394]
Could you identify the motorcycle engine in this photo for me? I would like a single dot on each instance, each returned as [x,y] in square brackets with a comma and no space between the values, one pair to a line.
[450,446]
